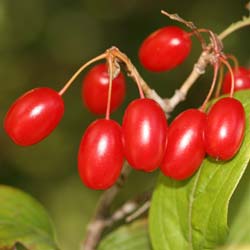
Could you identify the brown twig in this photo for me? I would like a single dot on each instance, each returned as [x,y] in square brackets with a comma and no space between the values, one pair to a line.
[98,222]
[141,210]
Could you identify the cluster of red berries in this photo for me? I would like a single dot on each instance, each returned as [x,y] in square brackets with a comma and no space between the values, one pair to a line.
[144,138]
[193,134]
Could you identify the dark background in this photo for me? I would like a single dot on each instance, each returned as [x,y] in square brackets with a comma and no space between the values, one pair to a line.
[43,42]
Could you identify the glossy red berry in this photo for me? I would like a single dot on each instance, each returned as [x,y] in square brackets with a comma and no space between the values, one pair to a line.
[34,116]
[185,149]
[165,49]
[144,130]
[241,78]
[100,156]
[95,90]
[225,128]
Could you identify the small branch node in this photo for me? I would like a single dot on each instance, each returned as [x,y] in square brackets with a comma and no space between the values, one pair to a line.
[116,68]
[179,96]
[204,59]
[200,69]
[152,94]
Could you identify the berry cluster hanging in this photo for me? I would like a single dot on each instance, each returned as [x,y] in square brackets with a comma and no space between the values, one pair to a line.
[144,138]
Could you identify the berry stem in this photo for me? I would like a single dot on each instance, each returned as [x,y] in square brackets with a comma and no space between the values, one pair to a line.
[217,45]
[141,84]
[235,61]
[110,70]
[221,75]
[232,75]
[72,79]
[216,68]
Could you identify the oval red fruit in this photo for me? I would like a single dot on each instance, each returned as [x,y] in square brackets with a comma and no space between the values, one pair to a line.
[144,130]
[225,128]
[34,116]
[241,78]
[165,49]
[100,156]
[185,149]
[95,90]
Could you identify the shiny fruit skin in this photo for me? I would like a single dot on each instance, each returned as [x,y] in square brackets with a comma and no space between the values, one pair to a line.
[185,149]
[241,78]
[225,128]
[100,156]
[95,90]
[165,49]
[144,130]
[33,116]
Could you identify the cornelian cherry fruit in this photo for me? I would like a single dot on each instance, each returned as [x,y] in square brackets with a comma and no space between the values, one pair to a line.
[100,156]
[144,130]
[165,49]
[241,78]
[225,128]
[95,89]
[185,149]
[34,116]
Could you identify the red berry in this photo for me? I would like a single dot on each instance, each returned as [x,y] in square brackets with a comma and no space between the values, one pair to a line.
[144,130]
[100,156]
[241,78]
[33,116]
[165,49]
[225,127]
[95,90]
[185,149]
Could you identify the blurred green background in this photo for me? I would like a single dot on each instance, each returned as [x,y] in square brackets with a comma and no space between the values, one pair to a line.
[43,42]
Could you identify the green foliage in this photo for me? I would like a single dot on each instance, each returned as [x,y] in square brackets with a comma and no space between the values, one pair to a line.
[192,214]
[24,221]
[239,214]
[129,237]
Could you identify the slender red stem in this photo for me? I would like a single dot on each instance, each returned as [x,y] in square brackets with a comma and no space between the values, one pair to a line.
[231,73]
[216,68]
[110,69]
[221,75]
[200,38]
[235,61]
[217,45]
[132,70]
[140,89]
[72,79]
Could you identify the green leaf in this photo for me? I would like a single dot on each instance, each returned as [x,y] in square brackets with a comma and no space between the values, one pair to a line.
[23,220]
[239,213]
[129,237]
[192,214]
